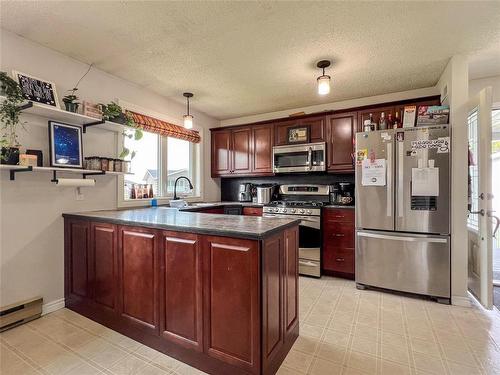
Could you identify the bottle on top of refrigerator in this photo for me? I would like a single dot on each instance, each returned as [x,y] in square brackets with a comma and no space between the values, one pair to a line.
[382,123]
[367,125]
[390,121]
[373,124]
[397,122]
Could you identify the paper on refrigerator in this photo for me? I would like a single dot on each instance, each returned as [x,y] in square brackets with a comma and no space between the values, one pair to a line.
[373,172]
[425,182]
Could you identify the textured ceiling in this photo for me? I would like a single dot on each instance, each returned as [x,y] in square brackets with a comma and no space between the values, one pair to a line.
[242,58]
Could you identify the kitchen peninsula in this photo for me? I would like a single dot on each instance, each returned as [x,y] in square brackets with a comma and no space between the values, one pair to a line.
[218,292]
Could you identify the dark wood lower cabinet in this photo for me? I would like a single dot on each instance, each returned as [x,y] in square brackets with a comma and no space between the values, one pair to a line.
[224,305]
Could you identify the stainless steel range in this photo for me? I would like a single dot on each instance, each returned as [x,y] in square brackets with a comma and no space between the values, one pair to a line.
[303,202]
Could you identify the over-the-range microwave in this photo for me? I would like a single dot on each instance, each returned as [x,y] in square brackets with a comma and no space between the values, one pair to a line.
[308,157]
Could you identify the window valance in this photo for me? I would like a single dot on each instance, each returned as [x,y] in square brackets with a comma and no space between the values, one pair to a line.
[164,128]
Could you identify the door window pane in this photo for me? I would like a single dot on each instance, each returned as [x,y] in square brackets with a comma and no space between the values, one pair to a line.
[144,165]
[472,220]
[179,163]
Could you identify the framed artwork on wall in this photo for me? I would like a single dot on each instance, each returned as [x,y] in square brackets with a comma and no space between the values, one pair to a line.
[298,134]
[65,145]
[37,89]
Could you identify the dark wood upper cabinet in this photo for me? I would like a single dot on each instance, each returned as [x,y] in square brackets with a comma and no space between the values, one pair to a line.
[232,300]
[262,142]
[241,139]
[221,152]
[103,266]
[138,275]
[340,130]
[181,291]
[316,129]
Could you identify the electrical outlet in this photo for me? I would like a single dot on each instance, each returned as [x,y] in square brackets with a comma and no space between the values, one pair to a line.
[79,195]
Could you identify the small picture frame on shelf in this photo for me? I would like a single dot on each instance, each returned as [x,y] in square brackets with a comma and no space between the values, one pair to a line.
[65,145]
[37,89]
[298,134]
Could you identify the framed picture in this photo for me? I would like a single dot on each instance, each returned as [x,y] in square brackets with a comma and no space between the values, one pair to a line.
[65,145]
[298,134]
[37,89]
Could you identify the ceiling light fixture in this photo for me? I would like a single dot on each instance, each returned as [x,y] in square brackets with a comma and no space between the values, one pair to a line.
[323,80]
[188,119]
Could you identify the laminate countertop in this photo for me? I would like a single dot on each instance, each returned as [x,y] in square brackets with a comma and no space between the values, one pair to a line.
[167,218]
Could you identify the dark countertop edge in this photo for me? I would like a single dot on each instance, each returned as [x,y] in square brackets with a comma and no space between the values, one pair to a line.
[220,205]
[175,228]
[339,206]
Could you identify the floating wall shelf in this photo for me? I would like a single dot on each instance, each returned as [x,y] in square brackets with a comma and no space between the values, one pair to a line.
[84,172]
[57,114]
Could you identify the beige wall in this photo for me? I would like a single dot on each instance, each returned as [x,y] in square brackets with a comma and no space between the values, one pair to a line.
[31,226]
[476,85]
[352,103]
[455,79]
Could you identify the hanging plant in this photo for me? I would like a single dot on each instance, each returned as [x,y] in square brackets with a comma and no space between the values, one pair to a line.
[10,109]
[114,113]
[70,101]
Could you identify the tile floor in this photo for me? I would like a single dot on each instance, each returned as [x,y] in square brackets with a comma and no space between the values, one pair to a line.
[343,331]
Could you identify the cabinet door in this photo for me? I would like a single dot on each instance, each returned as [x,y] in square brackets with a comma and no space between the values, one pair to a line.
[340,133]
[262,155]
[181,290]
[138,277]
[272,297]
[316,128]
[281,131]
[221,152]
[241,151]
[290,281]
[336,259]
[104,264]
[231,301]
[76,258]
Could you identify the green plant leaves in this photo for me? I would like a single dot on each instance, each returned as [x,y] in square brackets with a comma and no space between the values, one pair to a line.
[138,134]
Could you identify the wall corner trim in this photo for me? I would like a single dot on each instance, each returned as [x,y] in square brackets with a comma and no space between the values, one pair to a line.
[460,301]
[49,307]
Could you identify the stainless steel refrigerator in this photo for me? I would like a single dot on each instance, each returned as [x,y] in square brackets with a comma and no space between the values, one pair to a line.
[403,210]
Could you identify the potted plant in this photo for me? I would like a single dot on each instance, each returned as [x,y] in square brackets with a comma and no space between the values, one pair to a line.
[114,113]
[10,109]
[70,101]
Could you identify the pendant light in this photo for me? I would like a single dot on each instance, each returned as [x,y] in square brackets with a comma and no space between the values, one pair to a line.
[323,80]
[188,119]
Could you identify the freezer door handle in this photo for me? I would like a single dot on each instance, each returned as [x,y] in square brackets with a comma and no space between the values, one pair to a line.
[400,197]
[402,238]
[389,180]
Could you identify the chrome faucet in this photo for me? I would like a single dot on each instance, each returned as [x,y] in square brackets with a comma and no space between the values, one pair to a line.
[175,185]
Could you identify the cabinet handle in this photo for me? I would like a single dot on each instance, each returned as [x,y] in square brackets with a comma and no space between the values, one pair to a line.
[340,259]
[339,216]
[338,235]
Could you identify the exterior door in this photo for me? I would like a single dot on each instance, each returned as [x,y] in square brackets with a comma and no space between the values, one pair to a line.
[375,203]
[479,226]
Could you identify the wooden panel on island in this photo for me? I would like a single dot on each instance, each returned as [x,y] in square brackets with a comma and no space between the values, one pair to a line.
[103,268]
[252,211]
[181,301]
[138,275]
[232,294]
[195,297]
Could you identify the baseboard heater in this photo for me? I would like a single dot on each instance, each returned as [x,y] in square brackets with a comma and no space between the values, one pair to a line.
[19,313]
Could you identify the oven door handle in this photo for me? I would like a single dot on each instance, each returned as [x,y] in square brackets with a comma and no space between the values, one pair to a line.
[309,223]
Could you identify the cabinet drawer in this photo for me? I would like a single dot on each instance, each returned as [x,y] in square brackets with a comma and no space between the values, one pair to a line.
[338,259]
[339,234]
[252,211]
[338,214]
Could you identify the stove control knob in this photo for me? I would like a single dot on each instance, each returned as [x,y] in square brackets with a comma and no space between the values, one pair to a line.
[309,212]
[293,210]
[301,211]
[284,210]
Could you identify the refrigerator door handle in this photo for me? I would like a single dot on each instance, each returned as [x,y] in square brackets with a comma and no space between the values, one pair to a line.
[402,238]
[400,178]
[389,181]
